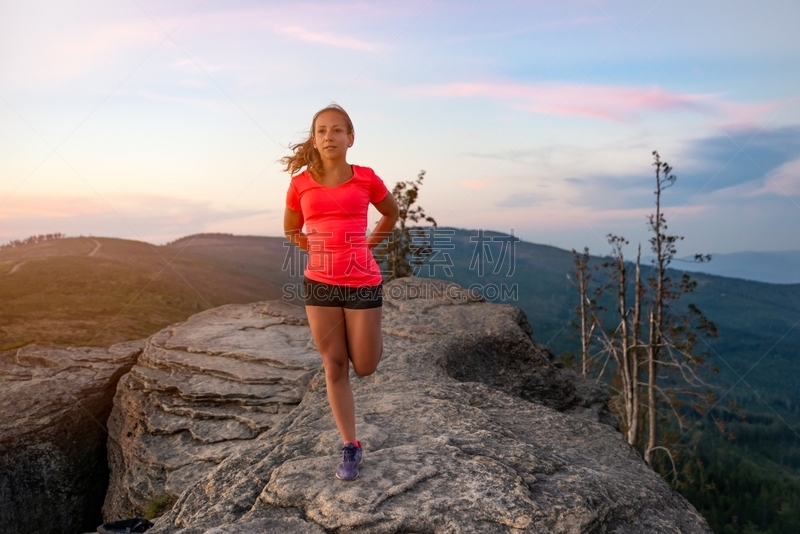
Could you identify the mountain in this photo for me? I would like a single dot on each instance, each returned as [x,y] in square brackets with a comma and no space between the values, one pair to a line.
[99,291]
[758,323]
[775,267]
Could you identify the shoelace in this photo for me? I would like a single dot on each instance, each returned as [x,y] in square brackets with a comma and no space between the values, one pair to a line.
[348,453]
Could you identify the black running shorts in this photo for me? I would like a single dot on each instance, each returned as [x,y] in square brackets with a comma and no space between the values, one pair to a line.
[354,298]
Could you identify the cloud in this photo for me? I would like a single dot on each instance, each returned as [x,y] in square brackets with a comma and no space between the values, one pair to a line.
[137,216]
[606,102]
[49,55]
[527,29]
[57,46]
[744,116]
[328,39]
[785,180]
[764,158]
[559,98]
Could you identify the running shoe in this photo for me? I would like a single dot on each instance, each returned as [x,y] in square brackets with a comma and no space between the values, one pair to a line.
[352,454]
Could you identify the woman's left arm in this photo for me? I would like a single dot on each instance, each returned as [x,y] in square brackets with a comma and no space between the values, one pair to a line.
[390,211]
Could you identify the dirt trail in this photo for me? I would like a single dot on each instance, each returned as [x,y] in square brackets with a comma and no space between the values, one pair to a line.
[95,248]
[17,266]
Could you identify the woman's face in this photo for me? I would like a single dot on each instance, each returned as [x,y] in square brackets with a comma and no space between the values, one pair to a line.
[330,135]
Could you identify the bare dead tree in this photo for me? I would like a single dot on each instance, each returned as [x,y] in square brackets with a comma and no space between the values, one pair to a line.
[586,307]
[623,343]
[671,337]
[636,352]
[663,246]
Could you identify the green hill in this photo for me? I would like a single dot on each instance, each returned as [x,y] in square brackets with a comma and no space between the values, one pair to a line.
[758,323]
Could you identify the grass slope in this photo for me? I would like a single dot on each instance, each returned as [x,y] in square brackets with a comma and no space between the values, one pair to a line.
[56,293]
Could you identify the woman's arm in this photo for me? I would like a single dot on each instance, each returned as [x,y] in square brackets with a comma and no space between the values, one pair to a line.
[390,211]
[292,226]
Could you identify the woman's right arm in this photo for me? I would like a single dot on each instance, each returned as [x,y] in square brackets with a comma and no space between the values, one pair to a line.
[292,226]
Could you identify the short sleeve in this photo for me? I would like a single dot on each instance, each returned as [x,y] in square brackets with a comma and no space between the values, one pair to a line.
[377,189]
[293,198]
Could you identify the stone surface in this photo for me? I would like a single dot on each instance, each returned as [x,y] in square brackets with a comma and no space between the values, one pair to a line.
[202,390]
[53,409]
[467,427]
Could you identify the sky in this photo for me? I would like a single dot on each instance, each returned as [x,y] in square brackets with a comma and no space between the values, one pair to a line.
[153,120]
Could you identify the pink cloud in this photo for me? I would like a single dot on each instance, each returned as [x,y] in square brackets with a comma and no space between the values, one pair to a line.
[63,51]
[744,116]
[150,217]
[327,39]
[585,100]
[49,206]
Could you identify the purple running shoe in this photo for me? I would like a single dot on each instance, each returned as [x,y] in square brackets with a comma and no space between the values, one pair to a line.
[352,455]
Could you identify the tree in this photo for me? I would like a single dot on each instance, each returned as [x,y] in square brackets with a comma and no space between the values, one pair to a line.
[407,246]
[672,335]
[586,308]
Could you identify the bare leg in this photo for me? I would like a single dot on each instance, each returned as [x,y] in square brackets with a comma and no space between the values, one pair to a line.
[330,335]
[343,335]
[364,339]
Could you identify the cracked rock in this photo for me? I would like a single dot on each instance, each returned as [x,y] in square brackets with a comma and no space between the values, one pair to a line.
[467,427]
[202,390]
[54,403]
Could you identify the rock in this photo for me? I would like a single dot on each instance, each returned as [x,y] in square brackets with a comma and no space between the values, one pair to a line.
[462,433]
[53,409]
[202,390]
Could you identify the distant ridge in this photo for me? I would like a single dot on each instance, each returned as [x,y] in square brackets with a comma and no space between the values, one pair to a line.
[773,267]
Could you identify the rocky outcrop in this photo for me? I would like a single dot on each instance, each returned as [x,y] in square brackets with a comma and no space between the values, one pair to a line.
[467,427]
[202,390]
[53,409]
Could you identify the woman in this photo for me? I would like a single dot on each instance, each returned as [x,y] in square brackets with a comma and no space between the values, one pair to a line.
[342,282]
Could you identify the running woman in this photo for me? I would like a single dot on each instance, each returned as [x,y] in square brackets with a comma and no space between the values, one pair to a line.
[342,282]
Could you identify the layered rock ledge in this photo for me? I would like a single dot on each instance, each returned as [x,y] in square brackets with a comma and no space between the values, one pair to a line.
[54,404]
[467,428]
[200,391]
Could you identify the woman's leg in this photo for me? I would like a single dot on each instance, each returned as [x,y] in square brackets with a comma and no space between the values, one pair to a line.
[364,338]
[330,335]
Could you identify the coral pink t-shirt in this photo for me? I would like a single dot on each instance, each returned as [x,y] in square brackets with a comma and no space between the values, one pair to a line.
[336,223]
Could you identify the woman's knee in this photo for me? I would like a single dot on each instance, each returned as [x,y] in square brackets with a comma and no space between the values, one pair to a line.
[336,368]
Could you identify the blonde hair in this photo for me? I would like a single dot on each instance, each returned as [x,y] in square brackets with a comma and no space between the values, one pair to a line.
[305,155]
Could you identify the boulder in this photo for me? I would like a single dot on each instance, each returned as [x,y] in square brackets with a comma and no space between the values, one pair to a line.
[54,403]
[202,390]
[467,427]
